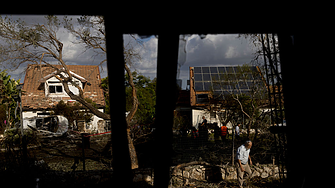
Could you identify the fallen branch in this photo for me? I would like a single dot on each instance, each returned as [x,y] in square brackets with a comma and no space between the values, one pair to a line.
[188,164]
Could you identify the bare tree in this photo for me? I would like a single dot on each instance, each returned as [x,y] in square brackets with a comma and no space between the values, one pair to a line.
[243,91]
[91,33]
[266,56]
[39,44]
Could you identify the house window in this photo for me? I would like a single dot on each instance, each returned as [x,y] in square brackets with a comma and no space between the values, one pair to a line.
[202,98]
[56,89]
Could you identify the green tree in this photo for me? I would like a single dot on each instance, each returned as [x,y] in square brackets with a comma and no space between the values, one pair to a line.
[8,104]
[104,86]
[146,95]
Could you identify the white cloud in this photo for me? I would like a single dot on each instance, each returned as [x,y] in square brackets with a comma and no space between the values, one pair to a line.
[73,54]
[231,53]
[148,52]
[214,50]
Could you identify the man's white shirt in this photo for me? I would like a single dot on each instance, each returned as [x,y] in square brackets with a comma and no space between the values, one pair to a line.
[243,154]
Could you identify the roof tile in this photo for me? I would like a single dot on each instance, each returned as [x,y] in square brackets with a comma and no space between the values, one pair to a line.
[34,97]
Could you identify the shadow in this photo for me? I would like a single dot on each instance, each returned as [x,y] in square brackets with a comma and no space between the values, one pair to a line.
[54,179]
[214,174]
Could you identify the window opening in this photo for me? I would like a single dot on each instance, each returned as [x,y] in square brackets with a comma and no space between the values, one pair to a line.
[55,89]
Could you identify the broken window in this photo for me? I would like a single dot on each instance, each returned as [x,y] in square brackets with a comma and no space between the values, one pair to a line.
[55,89]
[59,89]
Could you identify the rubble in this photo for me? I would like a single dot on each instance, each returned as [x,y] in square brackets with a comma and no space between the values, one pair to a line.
[188,175]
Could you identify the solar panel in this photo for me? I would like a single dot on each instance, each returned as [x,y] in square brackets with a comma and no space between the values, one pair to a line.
[205,69]
[198,86]
[198,77]
[207,86]
[225,79]
[206,77]
[230,70]
[222,70]
[213,69]
[197,70]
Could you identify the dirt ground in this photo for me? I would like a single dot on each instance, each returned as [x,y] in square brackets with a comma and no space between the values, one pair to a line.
[60,161]
[65,153]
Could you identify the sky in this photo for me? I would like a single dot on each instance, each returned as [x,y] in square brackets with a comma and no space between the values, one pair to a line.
[213,50]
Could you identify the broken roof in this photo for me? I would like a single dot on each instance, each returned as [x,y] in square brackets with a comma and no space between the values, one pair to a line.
[82,79]
[34,97]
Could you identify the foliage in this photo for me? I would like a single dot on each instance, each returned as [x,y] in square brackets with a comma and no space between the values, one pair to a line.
[12,138]
[8,104]
[146,94]
[104,86]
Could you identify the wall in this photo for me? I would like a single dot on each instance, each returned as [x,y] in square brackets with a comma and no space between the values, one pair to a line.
[93,125]
[63,94]
[184,176]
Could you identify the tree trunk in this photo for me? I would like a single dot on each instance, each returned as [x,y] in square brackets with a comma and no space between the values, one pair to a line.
[92,109]
[134,97]
[249,126]
[132,151]
[256,133]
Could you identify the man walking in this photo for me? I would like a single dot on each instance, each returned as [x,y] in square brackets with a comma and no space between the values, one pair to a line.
[241,163]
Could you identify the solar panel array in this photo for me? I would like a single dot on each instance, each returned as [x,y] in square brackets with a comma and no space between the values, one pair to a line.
[225,79]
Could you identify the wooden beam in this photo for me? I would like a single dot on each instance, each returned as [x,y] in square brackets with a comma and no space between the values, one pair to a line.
[121,159]
[166,96]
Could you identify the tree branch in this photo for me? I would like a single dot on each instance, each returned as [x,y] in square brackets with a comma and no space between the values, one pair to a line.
[134,97]
[83,102]
[241,106]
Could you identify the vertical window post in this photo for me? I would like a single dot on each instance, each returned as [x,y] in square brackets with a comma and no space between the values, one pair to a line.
[166,91]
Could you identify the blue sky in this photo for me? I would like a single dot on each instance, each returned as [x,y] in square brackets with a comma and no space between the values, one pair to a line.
[214,50]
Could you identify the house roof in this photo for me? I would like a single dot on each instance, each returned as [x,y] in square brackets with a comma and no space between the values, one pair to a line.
[34,97]
[54,73]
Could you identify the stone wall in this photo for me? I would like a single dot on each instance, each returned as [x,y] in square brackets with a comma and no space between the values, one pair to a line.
[192,173]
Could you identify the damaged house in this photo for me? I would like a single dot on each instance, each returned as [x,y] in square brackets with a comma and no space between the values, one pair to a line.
[43,91]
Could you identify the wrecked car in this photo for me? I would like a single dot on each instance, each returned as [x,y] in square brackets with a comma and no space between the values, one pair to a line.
[53,123]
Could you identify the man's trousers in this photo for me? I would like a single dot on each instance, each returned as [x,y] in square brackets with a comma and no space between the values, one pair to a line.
[240,174]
